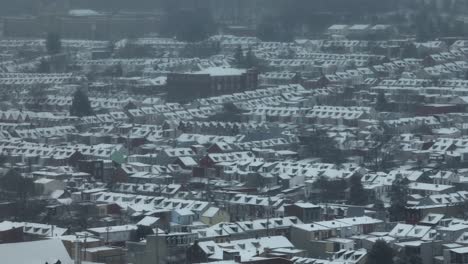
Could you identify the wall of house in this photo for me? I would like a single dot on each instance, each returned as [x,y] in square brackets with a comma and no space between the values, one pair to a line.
[12,235]
[219,217]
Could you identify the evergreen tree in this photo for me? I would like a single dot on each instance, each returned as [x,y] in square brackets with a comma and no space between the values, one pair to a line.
[379,207]
[409,50]
[239,60]
[43,67]
[195,254]
[229,113]
[357,194]
[319,144]
[38,93]
[398,200]
[321,184]
[291,53]
[380,253]
[250,59]
[14,182]
[413,259]
[423,129]
[330,190]
[53,43]
[381,103]
[80,104]
[142,232]
[20,187]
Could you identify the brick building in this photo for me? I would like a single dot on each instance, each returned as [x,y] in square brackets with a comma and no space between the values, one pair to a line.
[210,82]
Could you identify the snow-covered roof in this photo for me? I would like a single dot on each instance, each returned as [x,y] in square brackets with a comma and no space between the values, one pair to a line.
[83,12]
[211,212]
[221,71]
[148,221]
[42,251]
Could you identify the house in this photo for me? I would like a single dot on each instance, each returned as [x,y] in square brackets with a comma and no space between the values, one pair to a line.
[98,254]
[45,186]
[214,215]
[182,216]
[431,219]
[425,189]
[279,78]
[413,231]
[11,233]
[359,30]
[339,228]
[114,234]
[425,250]
[242,250]
[162,248]
[242,206]
[338,30]
[307,212]
[364,224]
[41,251]
[305,236]
[224,231]
[170,155]
[349,255]
[337,115]
[452,232]
[323,236]
[149,221]
[456,255]
[186,163]
[210,82]
[35,230]
[85,240]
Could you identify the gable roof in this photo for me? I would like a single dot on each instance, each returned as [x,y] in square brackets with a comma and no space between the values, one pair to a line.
[41,251]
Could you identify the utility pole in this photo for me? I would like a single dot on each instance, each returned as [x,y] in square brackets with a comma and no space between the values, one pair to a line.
[85,243]
[157,246]
[77,251]
[268,213]
[77,241]
[107,233]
